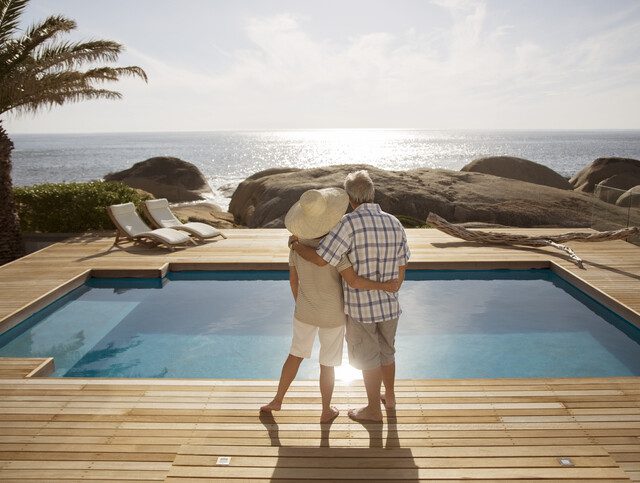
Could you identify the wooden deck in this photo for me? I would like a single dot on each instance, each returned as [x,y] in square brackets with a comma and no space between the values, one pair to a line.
[11,367]
[174,430]
[443,430]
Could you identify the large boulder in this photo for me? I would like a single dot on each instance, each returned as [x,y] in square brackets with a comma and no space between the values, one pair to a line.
[602,169]
[612,188]
[165,177]
[630,198]
[518,168]
[263,199]
[622,182]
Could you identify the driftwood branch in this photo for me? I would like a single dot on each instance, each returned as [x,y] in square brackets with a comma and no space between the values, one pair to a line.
[555,241]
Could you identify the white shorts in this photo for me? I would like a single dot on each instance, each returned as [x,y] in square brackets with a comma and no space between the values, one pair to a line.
[331,342]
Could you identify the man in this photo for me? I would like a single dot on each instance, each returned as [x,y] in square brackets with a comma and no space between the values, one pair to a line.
[376,245]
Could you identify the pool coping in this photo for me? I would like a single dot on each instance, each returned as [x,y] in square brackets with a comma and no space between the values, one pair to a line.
[41,302]
[44,369]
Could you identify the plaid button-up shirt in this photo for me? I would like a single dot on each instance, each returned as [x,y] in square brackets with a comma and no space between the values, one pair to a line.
[376,244]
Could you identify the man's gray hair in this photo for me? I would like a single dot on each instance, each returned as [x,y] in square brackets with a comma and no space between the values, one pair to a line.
[359,187]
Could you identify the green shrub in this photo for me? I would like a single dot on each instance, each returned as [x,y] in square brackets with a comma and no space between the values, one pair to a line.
[71,207]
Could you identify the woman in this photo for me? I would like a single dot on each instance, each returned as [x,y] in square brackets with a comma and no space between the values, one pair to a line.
[317,292]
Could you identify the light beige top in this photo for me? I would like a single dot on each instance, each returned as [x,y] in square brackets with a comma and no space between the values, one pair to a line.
[320,301]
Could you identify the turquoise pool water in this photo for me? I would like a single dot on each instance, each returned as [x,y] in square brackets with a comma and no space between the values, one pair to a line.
[235,324]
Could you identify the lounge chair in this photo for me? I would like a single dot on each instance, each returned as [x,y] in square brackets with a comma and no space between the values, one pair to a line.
[161,216]
[131,227]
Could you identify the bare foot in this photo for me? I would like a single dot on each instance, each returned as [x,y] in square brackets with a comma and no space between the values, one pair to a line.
[389,400]
[329,415]
[366,415]
[272,406]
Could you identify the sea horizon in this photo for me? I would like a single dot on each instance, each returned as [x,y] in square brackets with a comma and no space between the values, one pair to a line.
[226,157]
[297,129]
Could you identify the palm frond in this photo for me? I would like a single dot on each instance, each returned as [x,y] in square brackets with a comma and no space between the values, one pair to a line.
[69,55]
[103,74]
[34,37]
[53,88]
[10,11]
[48,99]
[38,70]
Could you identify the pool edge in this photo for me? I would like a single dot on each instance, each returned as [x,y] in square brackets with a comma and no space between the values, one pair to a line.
[594,292]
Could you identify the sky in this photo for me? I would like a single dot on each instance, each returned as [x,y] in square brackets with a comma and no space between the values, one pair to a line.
[280,64]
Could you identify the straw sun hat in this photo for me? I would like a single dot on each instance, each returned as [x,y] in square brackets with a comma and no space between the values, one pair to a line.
[317,212]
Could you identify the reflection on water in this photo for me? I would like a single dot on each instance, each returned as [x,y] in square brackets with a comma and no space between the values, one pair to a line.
[455,324]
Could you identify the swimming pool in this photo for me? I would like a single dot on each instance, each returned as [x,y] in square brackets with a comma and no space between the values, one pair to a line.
[236,324]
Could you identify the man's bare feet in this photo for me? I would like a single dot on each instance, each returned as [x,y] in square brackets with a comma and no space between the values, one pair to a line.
[366,415]
[389,400]
[272,406]
[329,415]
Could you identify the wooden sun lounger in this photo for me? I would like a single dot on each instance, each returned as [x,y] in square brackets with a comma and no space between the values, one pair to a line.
[131,227]
[160,215]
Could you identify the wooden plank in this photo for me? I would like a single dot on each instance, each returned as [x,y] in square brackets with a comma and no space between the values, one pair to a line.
[91,474]
[393,473]
[430,480]
[402,461]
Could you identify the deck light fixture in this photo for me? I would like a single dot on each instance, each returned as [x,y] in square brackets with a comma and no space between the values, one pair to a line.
[223,461]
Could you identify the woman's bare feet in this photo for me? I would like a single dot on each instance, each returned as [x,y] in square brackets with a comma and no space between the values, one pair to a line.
[389,400]
[366,415]
[272,406]
[329,415]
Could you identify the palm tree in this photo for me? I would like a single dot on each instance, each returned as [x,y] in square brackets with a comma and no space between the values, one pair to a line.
[40,70]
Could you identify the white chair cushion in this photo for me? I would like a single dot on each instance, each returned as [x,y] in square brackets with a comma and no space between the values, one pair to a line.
[128,219]
[159,203]
[202,229]
[169,235]
[161,214]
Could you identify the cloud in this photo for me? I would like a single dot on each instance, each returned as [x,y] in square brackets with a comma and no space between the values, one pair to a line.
[471,71]
[382,72]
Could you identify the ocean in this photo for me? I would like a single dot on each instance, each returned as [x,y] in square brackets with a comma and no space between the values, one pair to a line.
[228,157]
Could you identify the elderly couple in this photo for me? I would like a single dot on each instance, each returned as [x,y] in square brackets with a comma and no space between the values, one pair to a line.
[345,272]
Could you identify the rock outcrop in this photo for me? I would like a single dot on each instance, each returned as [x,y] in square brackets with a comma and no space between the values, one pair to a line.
[165,177]
[263,199]
[602,169]
[518,168]
[205,212]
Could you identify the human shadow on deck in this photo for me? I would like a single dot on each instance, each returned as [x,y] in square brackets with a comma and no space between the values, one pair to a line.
[384,458]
